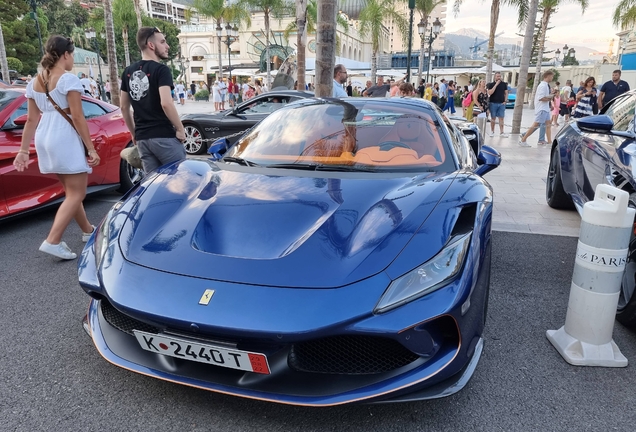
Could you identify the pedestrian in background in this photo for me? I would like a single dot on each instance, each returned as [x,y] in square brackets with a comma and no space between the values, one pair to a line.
[564,97]
[498,93]
[368,86]
[193,89]
[339,78]
[406,90]
[258,88]
[179,89]
[481,99]
[442,93]
[435,94]
[145,87]
[216,96]
[428,92]
[349,89]
[450,92]
[395,89]
[556,105]
[421,89]
[586,99]
[615,87]
[58,144]
[223,91]
[107,90]
[542,99]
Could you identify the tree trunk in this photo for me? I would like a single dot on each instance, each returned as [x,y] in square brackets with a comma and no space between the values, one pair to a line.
[267,54]
[4,64]
[138,13]
[325,47]
[218,42]
[301,42]
[524,65]
[494,20]
[111,52]
[374,66]
[124,36]
[420,69]
[545,19]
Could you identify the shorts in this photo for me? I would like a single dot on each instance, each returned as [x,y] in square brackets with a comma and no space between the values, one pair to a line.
[181,95]
[497,110]
[222,97]
[542,117]
[564,109]
[232,97]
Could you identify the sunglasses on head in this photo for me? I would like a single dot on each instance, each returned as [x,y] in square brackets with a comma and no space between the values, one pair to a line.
[154,30]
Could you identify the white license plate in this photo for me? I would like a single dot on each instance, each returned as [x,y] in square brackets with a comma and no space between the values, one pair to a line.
[203,353]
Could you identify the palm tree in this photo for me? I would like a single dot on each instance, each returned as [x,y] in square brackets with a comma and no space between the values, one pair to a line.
[138,13]
[221,12]
[309,20]
[270,8]
[549,7]
[424,7]
[4,64]
[526,53]
[124,17]
[79,37]
[111,51]
[521,5]
[371,20]
[325,46]
[301,41]
[625,14]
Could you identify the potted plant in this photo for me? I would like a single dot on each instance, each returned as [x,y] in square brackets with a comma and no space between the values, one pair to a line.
[202,95]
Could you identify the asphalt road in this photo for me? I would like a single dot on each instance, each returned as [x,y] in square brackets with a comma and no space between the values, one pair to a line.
[52,378]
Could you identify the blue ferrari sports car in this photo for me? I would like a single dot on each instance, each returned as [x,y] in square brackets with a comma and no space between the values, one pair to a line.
[338,252]
[591,151]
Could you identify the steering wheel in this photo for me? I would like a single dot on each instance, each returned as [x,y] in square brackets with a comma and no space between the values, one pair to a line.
[388,145]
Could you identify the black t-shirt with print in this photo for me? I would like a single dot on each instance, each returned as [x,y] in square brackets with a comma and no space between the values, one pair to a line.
[498,95]
[141,81]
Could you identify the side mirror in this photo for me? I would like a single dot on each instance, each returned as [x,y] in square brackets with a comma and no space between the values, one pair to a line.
[488,159]
[471,132]
[218,148]
[19,122]
[598,123]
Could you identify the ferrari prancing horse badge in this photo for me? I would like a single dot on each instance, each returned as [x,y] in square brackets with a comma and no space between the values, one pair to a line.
[206,297]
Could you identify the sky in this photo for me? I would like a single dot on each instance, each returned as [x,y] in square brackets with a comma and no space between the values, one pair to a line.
[593,29]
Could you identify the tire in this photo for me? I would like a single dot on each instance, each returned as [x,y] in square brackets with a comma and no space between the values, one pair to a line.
[128,175]
[555,195]
[194,143]
[626,309]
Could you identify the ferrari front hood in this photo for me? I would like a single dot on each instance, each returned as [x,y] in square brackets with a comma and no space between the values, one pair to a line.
[279,228]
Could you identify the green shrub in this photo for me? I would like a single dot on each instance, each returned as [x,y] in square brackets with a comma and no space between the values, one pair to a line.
[202,94]
[15,64]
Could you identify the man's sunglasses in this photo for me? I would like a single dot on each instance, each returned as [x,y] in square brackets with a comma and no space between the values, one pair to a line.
[154,30]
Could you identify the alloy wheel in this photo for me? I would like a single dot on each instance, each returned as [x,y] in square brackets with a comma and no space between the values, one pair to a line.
[193,140]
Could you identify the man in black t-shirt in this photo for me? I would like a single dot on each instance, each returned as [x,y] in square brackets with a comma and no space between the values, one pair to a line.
[498,94]
[421,88]
[145,86]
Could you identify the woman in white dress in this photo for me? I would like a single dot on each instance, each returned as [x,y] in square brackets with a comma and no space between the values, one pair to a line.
[59,148]
[216,96]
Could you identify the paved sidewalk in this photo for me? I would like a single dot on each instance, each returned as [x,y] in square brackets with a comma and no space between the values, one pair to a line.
[519,182]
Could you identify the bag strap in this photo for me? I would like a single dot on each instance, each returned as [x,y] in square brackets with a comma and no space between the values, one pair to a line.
[45,84]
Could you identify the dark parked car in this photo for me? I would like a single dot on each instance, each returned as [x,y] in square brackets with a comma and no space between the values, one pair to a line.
[202,129]
[339,252]
[594,150]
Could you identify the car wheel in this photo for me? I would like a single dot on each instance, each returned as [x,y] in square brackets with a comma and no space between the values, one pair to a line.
[555,195]
[626,310]
[128,175]
[193,140]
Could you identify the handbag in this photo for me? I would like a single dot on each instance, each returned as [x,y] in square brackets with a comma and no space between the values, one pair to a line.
[45,84]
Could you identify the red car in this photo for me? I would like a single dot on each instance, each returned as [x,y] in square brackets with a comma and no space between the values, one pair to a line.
[30,190]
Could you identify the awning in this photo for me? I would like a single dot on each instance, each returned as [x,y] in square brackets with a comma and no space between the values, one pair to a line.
[242,72]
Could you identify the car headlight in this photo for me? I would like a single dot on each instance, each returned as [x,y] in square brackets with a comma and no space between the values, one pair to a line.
[428,277]
[102,236]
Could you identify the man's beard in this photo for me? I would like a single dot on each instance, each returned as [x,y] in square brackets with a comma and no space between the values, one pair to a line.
[161,56]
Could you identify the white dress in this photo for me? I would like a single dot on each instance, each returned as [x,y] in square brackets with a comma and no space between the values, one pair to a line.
[60,149]
[216,93]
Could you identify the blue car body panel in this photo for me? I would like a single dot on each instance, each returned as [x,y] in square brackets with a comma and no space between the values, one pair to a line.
[294,258]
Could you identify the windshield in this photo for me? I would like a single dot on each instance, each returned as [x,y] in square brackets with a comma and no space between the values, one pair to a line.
[359,135]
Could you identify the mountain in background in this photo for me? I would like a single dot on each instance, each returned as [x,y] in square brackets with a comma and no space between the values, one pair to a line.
[461,40]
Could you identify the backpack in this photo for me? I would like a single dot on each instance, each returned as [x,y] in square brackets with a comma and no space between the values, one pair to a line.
[468,100]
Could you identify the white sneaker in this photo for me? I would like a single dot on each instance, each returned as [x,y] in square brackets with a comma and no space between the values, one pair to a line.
[60,250]
[504,135]
[524,144]
[491,134]
[86,236]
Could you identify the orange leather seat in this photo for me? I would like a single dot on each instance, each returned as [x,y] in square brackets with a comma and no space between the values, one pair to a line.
[416,134]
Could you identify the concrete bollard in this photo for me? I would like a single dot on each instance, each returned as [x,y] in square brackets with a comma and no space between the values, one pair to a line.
[586,337]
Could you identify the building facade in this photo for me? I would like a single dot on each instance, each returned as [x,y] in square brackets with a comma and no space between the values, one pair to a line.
[167,10]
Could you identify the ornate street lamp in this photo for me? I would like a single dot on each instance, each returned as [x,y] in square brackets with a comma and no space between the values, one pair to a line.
[91,36]
[435,30]
[231,35]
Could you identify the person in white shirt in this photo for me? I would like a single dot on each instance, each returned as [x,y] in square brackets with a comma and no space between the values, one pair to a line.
[180,90]
[86,83]
[244,90]
[223,92]
[94,88]
[542,100]
[566,91]
[339,78]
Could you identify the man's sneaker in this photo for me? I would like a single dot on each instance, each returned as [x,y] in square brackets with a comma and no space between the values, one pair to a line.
[542,143]
[87,236]
[524,144]
[491,134]
[60,250]
[504,135]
